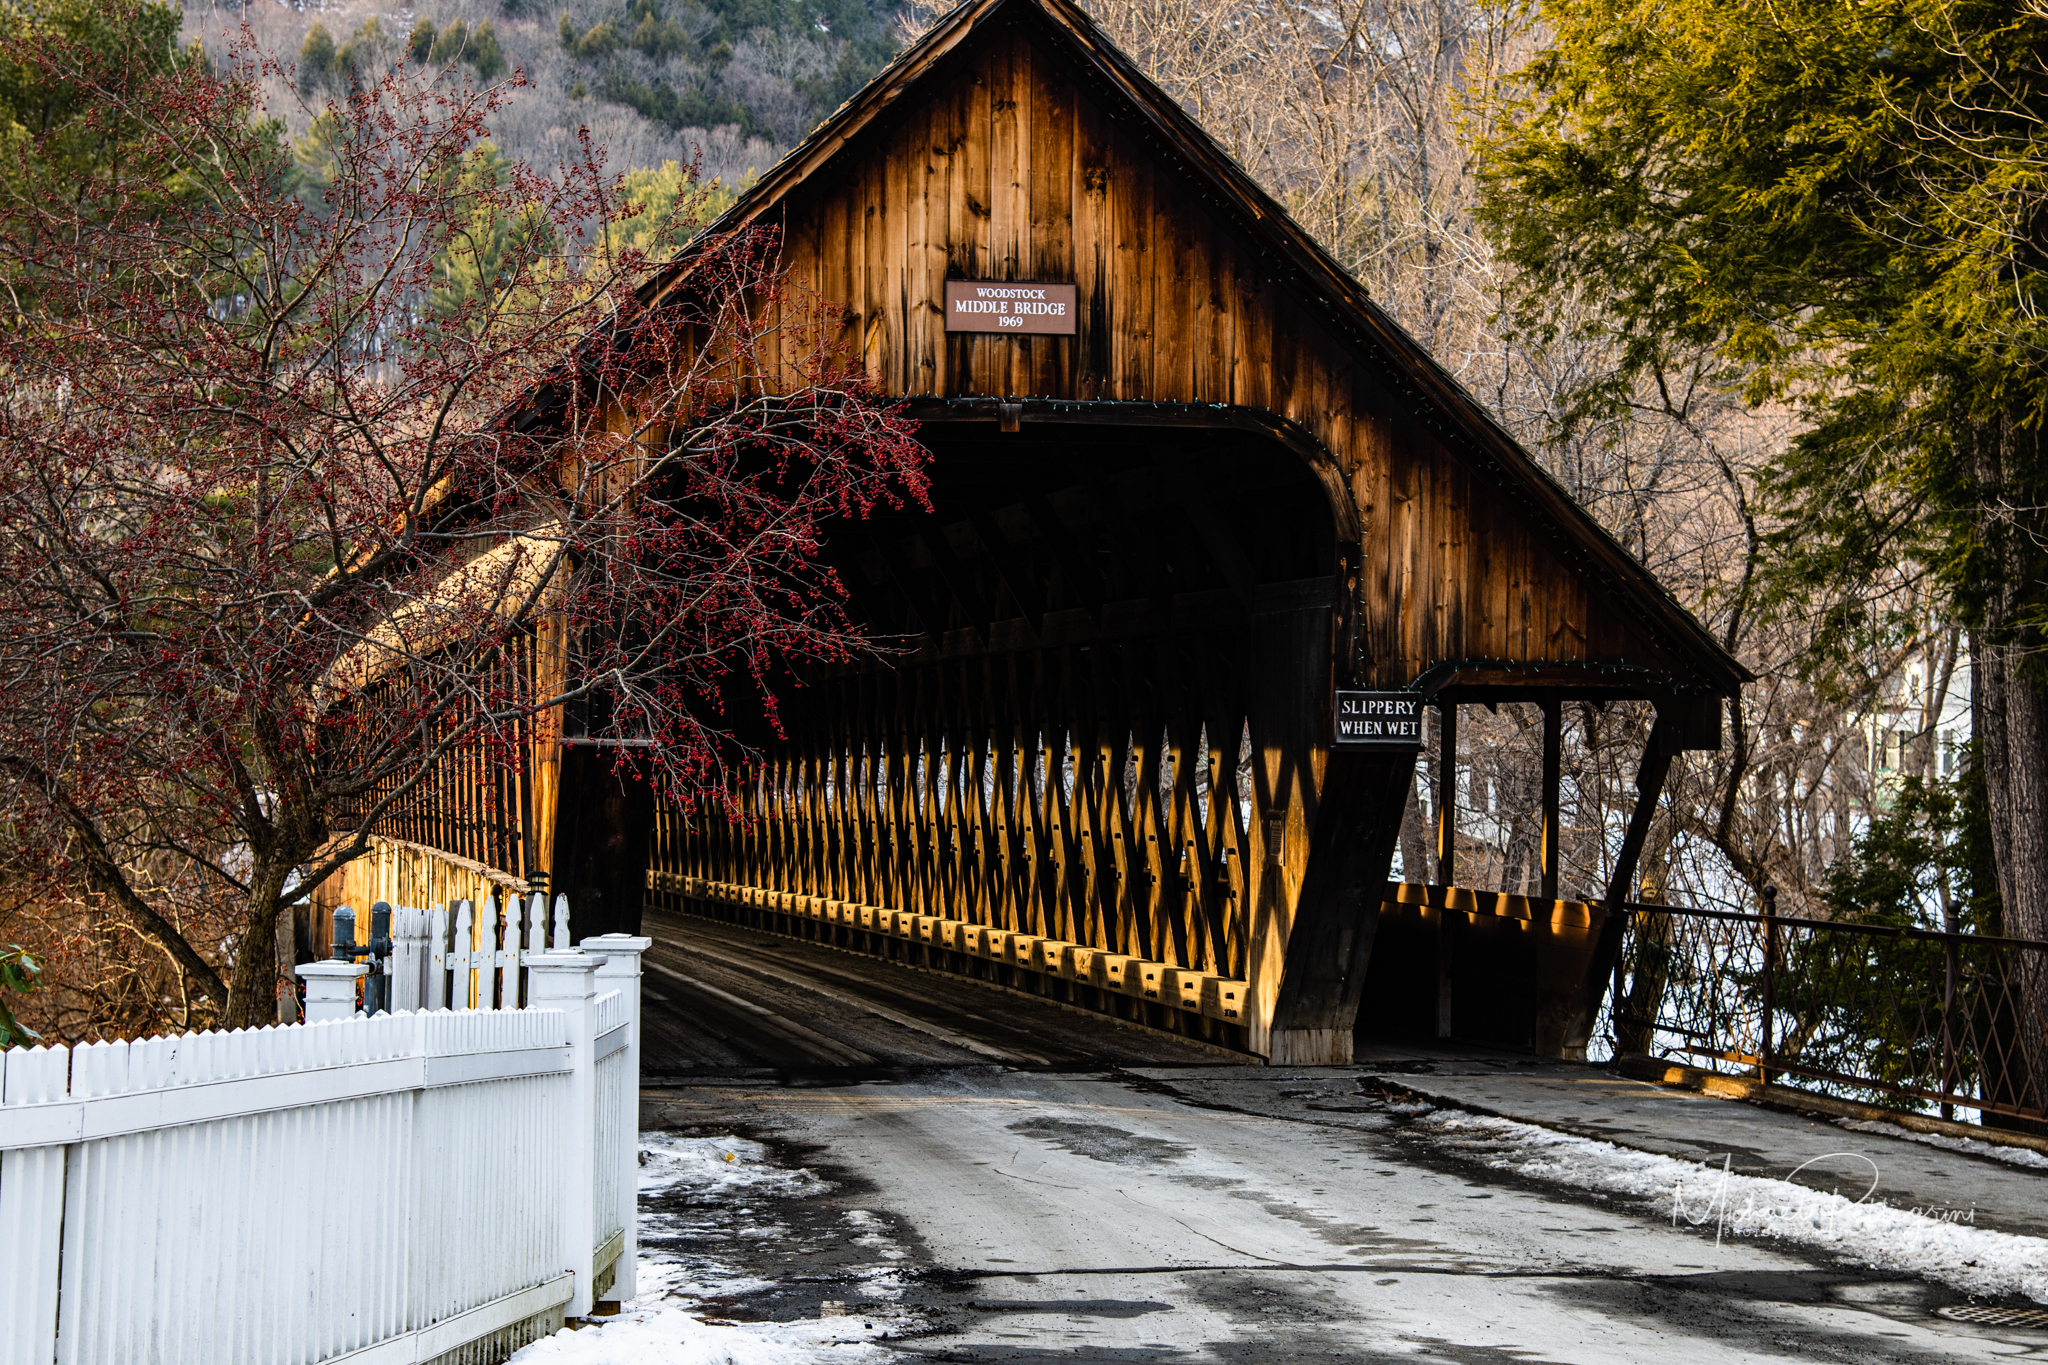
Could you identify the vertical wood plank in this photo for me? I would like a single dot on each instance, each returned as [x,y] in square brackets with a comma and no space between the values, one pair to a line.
[968,206]
[1051,137]
[1131,337]
[1175,316]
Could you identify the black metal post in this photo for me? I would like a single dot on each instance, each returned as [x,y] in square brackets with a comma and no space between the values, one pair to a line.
[376,986]
[1770,991]
[1951,955]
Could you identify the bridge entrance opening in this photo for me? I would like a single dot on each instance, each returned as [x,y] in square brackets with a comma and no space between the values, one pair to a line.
[1081,771]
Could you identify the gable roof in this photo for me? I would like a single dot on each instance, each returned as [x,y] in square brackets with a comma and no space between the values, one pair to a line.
[1322,287]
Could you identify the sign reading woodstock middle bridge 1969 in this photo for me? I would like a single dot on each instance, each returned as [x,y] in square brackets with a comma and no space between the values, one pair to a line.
[1378,720]
[1021,309]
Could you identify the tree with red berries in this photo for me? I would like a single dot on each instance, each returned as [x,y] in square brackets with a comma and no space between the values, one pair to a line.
[309,451]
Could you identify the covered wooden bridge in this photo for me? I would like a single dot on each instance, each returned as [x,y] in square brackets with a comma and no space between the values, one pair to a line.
[1190,486]
[1208,532]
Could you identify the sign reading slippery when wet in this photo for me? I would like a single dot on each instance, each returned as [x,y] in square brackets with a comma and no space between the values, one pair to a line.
[1379,720]
[1004,306]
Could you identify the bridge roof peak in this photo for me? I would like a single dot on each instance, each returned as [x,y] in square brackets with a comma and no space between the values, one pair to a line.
[1013,144]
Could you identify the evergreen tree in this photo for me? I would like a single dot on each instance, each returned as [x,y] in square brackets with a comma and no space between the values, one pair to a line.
[485,54]
[449,46]
[1845,202]
[316,58]
[490,244]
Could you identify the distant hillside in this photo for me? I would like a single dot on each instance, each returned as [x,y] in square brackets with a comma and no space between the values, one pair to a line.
[770,68]
[728,84]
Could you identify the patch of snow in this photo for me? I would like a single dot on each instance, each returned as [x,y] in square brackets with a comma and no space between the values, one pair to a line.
[1997,1151]
[665,1334]
[725,1165]
[668,1323]
[874,1235]
[1942,1247]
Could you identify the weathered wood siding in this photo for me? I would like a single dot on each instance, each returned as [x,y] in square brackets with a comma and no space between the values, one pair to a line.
[1013,171]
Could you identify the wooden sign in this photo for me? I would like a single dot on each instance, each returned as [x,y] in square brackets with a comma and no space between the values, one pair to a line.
[1005,306]
[1378,720]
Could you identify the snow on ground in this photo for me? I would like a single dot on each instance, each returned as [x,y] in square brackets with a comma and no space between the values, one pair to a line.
[668,1324]
[664,1334]
[1939,1244]
[1997,1151]
[718,1165]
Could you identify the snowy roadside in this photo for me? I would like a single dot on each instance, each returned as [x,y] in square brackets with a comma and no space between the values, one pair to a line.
[675,1320]
[1939,1244]
[2011,1156]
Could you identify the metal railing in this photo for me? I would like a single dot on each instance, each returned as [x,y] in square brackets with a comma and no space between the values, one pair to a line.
[1895,1016]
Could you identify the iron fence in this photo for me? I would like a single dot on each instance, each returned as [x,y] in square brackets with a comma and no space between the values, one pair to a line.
[1886,1014]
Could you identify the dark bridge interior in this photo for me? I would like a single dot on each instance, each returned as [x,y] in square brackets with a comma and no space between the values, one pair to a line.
[1058,533]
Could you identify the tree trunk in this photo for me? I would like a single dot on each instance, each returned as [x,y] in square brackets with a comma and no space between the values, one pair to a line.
[285,943]
[2009,698]
[252,990]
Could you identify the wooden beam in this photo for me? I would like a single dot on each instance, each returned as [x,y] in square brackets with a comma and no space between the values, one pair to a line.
[1443,780]
[1553,777]
[1665,737]
[1650,775]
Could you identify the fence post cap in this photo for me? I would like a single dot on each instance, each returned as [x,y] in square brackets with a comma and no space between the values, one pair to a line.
[561,960]
[332,969]
[561,976]
[616,943]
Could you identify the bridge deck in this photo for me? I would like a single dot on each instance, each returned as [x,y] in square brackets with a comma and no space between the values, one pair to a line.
[722,997]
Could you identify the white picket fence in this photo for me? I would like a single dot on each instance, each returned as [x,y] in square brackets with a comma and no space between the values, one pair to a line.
[424,1186]
[468,957]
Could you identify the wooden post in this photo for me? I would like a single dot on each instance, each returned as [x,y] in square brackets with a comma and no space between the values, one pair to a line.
[1602,972]
[32,1196]
[621,972]
[1553,778]
[487,957]
[461,958]
[567,981]
[408,959]
[1443,781]
[1650,775]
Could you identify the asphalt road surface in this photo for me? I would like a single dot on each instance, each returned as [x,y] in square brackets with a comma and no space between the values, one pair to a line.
[1013,1181]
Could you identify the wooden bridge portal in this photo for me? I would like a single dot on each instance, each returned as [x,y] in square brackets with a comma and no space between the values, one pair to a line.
[1189,485]
[1201,485]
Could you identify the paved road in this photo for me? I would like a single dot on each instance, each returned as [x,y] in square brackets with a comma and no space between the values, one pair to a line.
[1016,1182]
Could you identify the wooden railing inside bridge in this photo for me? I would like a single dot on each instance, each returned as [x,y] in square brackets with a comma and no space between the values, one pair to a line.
[1479,966]
[1143,879]
[934,815]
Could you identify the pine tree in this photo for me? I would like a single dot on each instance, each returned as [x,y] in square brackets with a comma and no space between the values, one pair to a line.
[316,58]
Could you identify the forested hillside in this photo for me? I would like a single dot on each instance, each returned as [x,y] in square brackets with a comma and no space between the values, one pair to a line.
[729,84]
